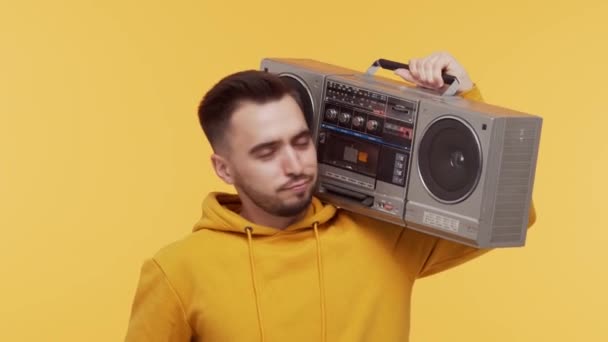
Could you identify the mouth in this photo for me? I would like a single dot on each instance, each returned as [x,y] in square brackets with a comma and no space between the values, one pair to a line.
[298,186]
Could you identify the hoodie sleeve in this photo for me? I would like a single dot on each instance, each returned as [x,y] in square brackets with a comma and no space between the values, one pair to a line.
[446,254]
[157,313]
[472,94]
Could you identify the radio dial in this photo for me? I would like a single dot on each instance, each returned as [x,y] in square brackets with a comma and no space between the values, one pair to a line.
[372,125]
[331,114]
[344,118]
[358,121]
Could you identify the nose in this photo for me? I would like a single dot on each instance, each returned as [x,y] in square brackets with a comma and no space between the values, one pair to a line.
[292,164]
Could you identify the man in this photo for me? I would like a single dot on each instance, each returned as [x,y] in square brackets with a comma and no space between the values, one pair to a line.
[273,263]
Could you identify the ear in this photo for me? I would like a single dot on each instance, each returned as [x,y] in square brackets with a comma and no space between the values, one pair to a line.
[222,168]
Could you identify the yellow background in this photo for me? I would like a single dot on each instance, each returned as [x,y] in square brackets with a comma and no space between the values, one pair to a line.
[102,161]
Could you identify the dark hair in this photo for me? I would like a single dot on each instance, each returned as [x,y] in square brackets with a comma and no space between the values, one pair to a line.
[221,101]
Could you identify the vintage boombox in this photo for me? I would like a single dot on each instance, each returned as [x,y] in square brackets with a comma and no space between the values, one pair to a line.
[455,168]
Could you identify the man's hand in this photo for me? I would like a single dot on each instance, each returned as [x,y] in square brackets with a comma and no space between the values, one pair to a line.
[426,72]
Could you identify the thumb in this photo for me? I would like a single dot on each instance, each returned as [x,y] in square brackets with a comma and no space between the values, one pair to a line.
[406,75]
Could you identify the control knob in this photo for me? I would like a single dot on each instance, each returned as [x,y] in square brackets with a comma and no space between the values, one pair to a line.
[331,113]
[372,125]
[344,118]
[358,121]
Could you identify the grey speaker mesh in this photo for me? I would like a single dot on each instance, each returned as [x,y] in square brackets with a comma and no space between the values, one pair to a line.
[515,171]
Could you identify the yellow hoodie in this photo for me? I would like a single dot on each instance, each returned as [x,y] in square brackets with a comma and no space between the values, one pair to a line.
[333,276]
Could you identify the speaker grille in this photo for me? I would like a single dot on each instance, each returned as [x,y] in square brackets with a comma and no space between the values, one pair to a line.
[304,97]
[513,181]
[449,159]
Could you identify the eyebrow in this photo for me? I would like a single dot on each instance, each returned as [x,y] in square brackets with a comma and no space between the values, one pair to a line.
[259,147]
[302,133]
[274,143]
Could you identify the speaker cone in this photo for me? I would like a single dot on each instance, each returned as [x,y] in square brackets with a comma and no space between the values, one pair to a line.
[449,160]
[305,98]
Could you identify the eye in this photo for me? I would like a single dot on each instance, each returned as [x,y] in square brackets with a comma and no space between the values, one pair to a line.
[266,153]
[302,141]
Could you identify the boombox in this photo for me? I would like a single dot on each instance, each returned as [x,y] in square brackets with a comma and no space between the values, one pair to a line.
[425,159]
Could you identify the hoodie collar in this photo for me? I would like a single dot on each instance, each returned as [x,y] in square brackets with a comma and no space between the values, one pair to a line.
[220,213]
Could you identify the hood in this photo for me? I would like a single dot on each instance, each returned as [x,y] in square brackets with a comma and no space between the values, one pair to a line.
[220,212]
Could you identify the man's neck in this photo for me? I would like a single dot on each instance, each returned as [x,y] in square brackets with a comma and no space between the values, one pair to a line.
[258,216]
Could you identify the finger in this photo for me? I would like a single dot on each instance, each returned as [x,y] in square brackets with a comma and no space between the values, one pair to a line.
[454,68]
[427,74]
[439,63]
[450,65]
[424,72]
[406,75]
[437,71]
[413,63]
[429,66]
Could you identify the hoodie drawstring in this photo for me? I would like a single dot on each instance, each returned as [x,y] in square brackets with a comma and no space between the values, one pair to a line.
[253,280]
[321,282]
[320,278]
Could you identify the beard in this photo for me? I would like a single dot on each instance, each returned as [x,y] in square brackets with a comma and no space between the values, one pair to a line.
[274,204]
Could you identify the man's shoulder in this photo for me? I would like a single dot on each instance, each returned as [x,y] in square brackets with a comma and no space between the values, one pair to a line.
[356,220]
[198,245]
[360,220]
[353,220]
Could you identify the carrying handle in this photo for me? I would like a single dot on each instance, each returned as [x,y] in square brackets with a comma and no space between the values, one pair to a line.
[451,81]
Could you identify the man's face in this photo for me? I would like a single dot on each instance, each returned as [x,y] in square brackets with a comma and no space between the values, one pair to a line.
[271,158]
